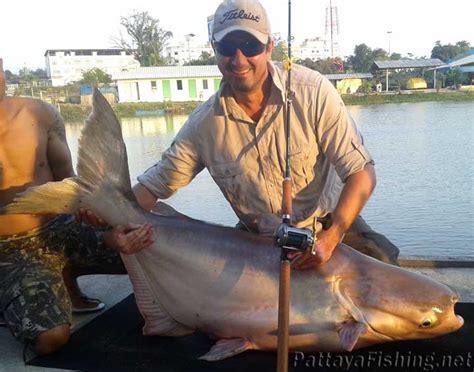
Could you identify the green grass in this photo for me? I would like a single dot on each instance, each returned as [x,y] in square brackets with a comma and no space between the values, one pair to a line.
[72,112]
[374,99]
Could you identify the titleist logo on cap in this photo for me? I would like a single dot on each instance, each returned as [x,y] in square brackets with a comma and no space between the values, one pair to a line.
[241,14]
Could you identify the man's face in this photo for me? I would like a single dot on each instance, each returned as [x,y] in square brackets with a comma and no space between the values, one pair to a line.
[245,74]
[2,81]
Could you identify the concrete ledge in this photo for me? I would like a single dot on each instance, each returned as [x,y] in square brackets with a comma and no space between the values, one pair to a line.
[436,261]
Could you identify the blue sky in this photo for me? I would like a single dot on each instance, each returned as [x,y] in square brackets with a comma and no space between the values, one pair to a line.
[30,27]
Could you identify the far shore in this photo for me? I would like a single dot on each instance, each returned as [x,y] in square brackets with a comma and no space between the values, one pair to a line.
[74,112]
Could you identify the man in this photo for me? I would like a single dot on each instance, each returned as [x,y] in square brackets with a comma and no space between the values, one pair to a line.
[41,257]
[239,136]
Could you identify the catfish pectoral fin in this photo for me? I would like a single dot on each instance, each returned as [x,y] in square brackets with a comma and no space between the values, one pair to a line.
[226,348]
[349,333]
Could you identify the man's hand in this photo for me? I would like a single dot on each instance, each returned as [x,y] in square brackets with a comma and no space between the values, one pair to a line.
[354,195]
[130,238]
[89,218]
[324,246]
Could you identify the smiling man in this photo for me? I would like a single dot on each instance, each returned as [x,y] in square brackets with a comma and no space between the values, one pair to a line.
[239,136]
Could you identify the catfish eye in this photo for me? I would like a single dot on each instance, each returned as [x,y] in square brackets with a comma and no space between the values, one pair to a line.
[426,323]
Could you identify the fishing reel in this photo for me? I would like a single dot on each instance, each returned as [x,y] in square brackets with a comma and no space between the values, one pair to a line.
[293,238]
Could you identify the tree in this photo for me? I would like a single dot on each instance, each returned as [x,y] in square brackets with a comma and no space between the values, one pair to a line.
[145,38]
[448,52]
[40,74]
[379,54]
[454,77]
[362,59]
[95,77]
[395,56]
[11,77]
[280,51]
[324,66]
[205,58]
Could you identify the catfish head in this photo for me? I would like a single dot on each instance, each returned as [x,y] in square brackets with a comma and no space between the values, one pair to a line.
[387,303]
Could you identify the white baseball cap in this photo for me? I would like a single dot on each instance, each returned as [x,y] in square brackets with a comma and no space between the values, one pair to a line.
[241,15]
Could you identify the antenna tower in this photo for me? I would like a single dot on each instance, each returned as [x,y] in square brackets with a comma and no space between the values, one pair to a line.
[332,29]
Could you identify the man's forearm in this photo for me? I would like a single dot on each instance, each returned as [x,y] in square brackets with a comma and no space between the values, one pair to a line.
[354,196]
[145,198]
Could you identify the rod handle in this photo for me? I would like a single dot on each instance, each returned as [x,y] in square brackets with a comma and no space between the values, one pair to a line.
[287,204]
[283,316]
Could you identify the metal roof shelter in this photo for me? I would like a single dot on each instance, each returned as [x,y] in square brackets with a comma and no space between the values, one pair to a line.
[349,76]
[407,63]
[166,72]
[89,52]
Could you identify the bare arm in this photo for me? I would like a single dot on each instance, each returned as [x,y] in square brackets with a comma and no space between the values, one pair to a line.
[354,196]
[59,156]
[145,198]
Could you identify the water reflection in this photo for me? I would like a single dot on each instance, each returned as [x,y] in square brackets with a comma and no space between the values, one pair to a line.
[144,126]
[146,138]
[424,200]
[167,125]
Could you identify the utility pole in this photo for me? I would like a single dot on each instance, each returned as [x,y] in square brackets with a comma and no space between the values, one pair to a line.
[188,37]
[386,73]
[389,33]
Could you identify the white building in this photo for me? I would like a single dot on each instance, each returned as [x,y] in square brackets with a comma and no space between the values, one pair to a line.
[187,50]
[168,83]
[65,66]
[314,49]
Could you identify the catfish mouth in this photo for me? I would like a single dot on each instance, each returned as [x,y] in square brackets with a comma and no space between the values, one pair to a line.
[379,334]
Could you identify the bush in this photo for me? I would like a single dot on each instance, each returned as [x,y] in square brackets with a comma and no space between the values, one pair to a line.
[366,87]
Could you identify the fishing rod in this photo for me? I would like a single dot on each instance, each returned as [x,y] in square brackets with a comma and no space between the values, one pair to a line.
[287,237]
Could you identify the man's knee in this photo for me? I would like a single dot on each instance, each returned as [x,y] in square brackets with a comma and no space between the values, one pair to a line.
[364,239]
[52,340]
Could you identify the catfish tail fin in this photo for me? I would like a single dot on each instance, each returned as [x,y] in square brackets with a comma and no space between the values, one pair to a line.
[50,198]
[103,181]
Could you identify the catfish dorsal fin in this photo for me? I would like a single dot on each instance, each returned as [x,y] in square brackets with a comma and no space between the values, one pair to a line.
[163,209]
[102,153]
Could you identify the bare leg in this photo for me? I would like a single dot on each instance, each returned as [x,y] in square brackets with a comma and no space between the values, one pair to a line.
[50,341]
[78,299]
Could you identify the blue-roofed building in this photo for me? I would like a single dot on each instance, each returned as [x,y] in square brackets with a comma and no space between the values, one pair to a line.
[464,64]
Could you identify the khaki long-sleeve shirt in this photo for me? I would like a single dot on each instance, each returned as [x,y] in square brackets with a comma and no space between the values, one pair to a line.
[247,159]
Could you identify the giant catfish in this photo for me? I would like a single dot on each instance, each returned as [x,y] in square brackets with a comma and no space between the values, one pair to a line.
[223,281]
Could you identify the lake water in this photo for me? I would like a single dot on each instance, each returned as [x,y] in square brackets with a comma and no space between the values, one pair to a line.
[424,200]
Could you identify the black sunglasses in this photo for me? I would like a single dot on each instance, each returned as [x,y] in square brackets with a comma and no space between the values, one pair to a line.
[249,48]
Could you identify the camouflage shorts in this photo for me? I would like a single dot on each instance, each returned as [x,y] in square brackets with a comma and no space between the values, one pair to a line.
[33,297]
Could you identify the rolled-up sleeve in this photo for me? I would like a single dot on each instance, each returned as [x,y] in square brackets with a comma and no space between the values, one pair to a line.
[339,138]
[179,164]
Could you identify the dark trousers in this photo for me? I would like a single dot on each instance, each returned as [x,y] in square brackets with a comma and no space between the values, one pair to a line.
[364,239]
